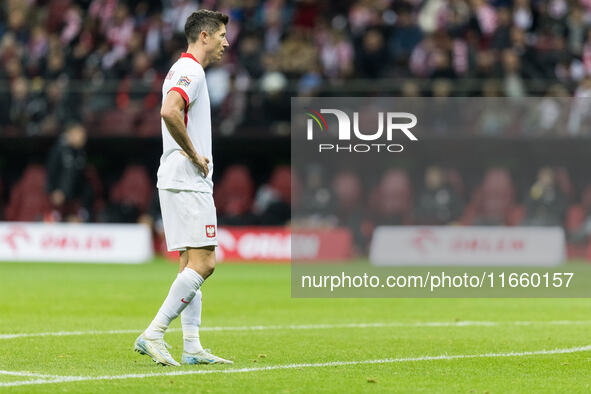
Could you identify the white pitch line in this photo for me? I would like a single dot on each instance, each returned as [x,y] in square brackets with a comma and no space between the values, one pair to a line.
[69,333]
[309,327]
[29,374]
[66,379]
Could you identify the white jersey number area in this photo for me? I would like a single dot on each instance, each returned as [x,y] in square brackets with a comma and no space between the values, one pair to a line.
[176,171]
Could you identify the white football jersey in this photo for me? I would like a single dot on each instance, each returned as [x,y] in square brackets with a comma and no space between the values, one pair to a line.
[176,171]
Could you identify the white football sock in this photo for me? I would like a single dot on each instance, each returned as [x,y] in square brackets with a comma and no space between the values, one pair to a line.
[181,294]
[191,321]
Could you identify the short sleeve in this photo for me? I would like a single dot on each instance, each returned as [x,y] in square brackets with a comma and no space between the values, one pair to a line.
[188,87]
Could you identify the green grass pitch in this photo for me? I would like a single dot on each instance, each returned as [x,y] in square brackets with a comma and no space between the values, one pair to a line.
[279,344]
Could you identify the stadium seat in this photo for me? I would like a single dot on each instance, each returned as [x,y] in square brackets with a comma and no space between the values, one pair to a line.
[281,182]
[149,124]
[349,207]
[588,254]
[575,251]
[493,201]
[96,184]
[28,198]
[33,178]
[575,216]
[564,182]
[392,200]
[296,189]
[234,193]
[347,190]
[117,123]
[586,199]
[134,188]
[454,178]
[11,131]
[516,215]
[468,214]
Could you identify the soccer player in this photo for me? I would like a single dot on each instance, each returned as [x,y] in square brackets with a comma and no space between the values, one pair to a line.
[185,189]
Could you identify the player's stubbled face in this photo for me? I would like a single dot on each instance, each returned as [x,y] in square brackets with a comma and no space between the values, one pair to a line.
[218,44]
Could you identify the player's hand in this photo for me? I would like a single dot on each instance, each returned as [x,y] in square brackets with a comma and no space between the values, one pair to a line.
[202,164]
[199,161]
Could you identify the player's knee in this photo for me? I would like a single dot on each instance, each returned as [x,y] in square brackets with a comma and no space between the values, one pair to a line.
[208,265]
[203,262]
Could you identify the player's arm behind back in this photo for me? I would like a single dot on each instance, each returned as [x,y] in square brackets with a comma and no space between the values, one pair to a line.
[172,114]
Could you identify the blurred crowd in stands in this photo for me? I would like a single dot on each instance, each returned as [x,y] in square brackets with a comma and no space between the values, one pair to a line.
[69,189]
[95,68]
[442,198]
[101,62]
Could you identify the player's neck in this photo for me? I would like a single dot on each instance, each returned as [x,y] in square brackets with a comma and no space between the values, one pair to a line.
[199,54]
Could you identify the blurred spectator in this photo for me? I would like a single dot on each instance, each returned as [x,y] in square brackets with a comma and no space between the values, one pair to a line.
[70,194]
[485,15]
[118,33]
[37,46]
[273,199]
[438,203]
[546,203]
[17,23]
[251,55]
[502,36]
[110,54]
[404,37]
[522,14]
[234,197]
[486,65]
[576,26]
[392,199]
[17,105]
[526,52]
[316,200]
[419,62]
[138,91]
[493,201]
[130,197]
[297,55]
[176,13]
[349,208]
[337,56]
[154,35]
[513,82]
[57,111]
[373,56]
[72,24]
[273,101]
[55,67]
[442,66]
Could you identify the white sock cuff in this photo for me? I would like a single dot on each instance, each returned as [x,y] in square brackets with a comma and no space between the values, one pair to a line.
[196,279]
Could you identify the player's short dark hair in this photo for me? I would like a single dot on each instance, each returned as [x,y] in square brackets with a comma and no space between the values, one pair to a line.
[201,20]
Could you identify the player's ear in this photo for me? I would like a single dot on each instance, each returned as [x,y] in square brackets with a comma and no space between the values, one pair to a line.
[204,36]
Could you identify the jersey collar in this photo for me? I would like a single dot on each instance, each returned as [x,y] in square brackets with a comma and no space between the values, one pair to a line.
[185,54]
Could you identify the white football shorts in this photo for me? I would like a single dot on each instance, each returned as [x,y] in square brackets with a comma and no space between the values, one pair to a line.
[189,219]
